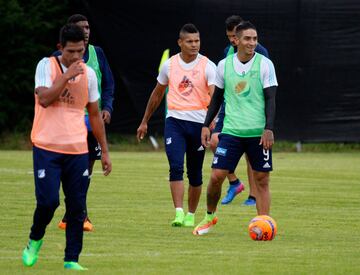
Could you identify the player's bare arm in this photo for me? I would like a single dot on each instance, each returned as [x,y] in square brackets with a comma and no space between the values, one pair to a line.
[153,103]
[215,103]
[98,128]
[49,95]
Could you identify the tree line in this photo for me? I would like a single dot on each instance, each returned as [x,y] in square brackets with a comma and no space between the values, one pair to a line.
[29,31]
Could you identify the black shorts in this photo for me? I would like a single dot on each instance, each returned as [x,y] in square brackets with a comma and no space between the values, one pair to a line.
[231,148]
[93,147]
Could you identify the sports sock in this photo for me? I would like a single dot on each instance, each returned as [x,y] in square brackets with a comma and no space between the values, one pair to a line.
[235,182]
[251,198]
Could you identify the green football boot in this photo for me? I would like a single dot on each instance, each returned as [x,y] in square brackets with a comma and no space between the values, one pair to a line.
[73,266]
[205,225]
[189,220]
[179,218]
[31,251]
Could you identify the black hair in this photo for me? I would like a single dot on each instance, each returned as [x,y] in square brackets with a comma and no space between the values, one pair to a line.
[188,28]
[72,33]
[232,21]
[245,25]
[76,18]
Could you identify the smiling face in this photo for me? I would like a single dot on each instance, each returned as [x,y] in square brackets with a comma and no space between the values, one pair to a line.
[189,44]
[247,41]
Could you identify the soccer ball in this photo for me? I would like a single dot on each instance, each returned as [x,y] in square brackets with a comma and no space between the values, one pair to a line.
[262,228]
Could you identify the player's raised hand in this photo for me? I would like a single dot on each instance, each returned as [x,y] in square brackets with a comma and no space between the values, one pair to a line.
[75,69]
[205,136]
[267,139]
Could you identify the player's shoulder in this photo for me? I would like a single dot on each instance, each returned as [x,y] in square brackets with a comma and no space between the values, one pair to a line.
[221,63]
[45,61]
[262,50]
[56,53]
[165,65]
[98,49]
[265,60]
[209,61]
[90,71]
[226,50]
[266,65]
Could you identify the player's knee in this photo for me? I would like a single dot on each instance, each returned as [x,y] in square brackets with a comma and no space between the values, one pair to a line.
[195,183]
[50,204]
[195,178]
[76,214]
[76,207]
[213,143]
[217,176]
[176,172]
[261,179]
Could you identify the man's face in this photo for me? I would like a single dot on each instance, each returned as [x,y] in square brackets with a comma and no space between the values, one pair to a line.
[86,28]
[189,43]
[247,41]
[72,52]
[231,35]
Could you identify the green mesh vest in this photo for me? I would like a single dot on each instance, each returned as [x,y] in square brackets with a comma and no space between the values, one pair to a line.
[244,97]
[230,50]
[94,64]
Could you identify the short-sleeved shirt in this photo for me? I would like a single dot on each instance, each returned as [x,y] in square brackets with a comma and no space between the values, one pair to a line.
[210,75]
[43,78]
[210,71]
[267,71]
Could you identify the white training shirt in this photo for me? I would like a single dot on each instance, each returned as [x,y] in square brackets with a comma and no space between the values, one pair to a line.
[43,78]
[210,75]
[267,71]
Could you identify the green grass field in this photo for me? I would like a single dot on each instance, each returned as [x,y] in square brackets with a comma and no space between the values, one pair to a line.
[315,201]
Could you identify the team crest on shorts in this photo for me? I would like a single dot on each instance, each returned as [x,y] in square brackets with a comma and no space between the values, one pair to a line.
[221,151]
[168,141]
[215,160]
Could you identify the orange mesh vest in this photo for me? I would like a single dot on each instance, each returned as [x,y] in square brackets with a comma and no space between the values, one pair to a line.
[60,127]
[188,89]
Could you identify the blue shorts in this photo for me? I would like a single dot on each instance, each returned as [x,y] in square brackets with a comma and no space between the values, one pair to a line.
[50,168]
[220,120]
[93,147]
[184,137]
[231,148]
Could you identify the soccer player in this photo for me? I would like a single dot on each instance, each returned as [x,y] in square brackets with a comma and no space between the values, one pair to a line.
[64,86]
[235,185]
[190,78]
[247,82]
[95,58]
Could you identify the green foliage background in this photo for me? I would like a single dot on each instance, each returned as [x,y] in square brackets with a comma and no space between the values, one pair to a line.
[28,31]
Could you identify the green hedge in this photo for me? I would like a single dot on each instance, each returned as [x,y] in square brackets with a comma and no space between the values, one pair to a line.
[29,31]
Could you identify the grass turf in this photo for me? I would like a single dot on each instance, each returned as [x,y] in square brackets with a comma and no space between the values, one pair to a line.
[315,201]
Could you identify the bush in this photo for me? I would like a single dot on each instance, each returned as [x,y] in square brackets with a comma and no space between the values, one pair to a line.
[29,30]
